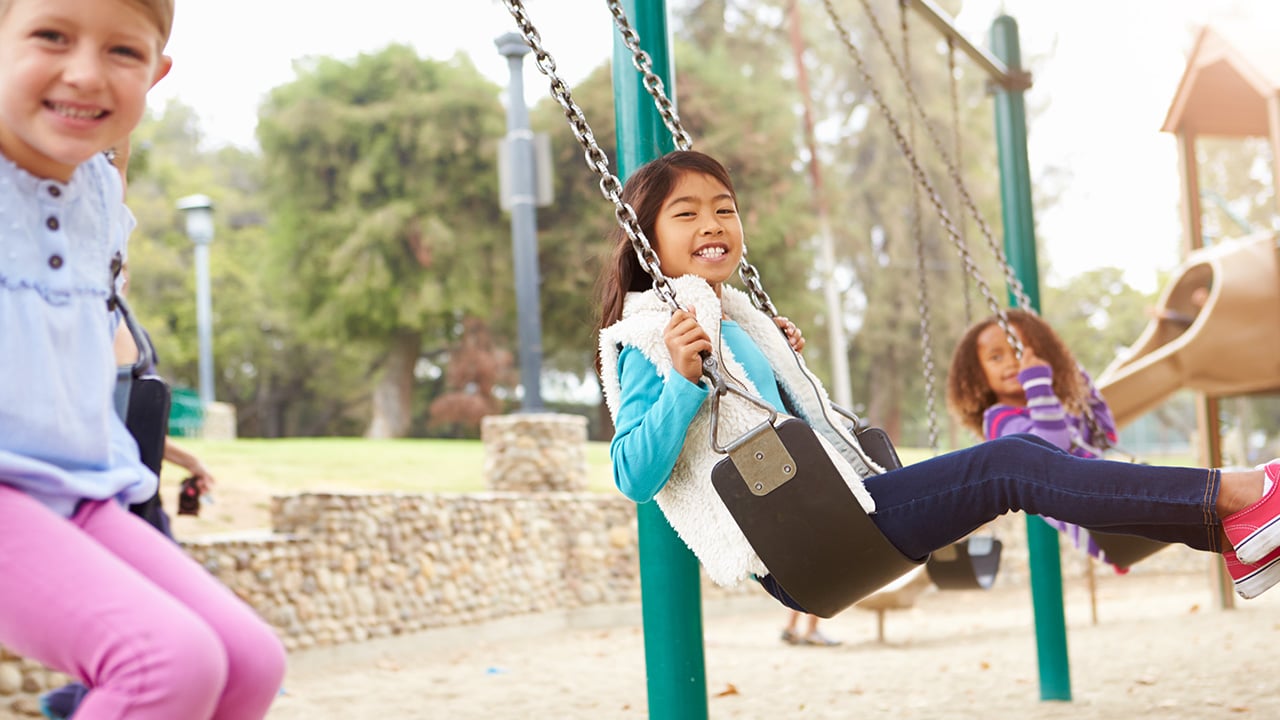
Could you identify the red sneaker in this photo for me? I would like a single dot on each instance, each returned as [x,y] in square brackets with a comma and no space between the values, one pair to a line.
[1255,531]
[1253,580]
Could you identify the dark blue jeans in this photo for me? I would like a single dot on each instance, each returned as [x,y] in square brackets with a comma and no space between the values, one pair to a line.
[931,504]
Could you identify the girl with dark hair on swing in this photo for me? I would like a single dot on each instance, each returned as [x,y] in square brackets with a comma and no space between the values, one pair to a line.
[650,363]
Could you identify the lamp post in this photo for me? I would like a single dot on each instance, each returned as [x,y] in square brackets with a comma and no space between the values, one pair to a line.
[198,210]
[524,222]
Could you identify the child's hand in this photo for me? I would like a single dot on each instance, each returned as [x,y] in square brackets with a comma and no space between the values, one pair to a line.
[686,341]
[794,336]
[1029,358]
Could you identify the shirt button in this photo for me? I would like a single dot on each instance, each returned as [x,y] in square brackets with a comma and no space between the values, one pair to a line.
[55,261]
[55,191]
[51,223]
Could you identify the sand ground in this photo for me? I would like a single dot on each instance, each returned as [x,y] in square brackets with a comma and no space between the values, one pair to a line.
[1162,648]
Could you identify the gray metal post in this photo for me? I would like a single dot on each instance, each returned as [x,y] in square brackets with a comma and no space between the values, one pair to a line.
[199,216]
[524,223]
[204,322]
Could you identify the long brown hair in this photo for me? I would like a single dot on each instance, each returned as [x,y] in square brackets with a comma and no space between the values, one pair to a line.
[968,393]
[646,191]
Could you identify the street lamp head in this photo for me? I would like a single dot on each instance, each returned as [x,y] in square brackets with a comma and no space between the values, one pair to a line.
[198,210]
[512,45]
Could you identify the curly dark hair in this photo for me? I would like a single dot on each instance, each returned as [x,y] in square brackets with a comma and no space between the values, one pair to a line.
[969,395]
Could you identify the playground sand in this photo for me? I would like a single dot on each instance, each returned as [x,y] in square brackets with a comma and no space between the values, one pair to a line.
[1161,648]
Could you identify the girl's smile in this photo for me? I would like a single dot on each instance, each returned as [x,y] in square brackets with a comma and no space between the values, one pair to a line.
[698,231]
[73,79]
[1000,365]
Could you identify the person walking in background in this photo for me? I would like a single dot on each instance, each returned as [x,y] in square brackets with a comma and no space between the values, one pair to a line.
[812,635]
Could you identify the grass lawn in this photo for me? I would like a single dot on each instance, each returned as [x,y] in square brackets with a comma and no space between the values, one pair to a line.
[315,464]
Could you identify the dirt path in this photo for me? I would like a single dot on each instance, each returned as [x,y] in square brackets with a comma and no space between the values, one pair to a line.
[1161,649]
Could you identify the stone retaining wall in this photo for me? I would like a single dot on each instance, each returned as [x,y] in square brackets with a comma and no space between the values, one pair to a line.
[348,568]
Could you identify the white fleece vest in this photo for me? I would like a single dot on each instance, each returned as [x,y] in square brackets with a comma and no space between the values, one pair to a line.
[688,500]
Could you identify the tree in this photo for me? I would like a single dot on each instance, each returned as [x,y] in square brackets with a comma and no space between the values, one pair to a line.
[476,368]
[383,181]
[1098,315]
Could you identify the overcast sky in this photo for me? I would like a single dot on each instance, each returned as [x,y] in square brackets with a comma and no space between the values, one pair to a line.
[1106,70]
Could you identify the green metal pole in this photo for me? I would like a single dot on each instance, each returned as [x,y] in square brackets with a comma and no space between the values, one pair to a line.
[670,589]
[1020,246]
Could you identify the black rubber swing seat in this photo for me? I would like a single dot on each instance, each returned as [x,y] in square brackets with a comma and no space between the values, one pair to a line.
[803,521]
[971,564]
[1125,550]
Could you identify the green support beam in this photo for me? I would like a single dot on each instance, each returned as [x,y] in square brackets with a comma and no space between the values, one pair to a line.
[670,580]
[1020,247]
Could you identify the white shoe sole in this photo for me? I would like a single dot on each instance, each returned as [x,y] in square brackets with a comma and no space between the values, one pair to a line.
[1260,544]
[1259,580]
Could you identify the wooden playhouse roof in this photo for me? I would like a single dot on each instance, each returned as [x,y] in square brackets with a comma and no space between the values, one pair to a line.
[1231,84]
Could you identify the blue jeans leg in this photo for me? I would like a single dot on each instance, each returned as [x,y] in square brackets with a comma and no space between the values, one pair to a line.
[930,504]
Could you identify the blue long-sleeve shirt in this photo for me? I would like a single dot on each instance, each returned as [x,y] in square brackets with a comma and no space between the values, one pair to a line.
[653,415]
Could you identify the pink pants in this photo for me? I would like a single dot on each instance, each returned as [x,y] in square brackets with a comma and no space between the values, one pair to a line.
[107,599]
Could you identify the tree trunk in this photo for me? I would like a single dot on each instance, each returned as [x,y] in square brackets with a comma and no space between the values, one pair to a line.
[394,391]
[884,406]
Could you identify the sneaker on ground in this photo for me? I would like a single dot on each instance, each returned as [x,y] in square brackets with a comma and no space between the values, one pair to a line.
[1252,580]
[1255,531]
[817,638]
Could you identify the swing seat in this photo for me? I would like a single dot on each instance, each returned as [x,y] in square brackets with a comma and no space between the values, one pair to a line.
[803,521]
[1125,550]
[970,564]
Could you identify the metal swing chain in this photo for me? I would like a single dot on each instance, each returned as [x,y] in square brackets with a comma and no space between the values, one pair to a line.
[927,185]
[954,88]
[922,289]
[610,185]
[653,84]
[953,171]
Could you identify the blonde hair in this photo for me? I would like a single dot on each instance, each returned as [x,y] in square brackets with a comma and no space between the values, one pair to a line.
[160,12]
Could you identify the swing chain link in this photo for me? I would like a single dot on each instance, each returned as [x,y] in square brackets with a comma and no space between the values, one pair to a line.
[922,288]
[597,160]
[652,83]
[1011,279]
[931,191]
[657,90]
[953,170]
[957,149]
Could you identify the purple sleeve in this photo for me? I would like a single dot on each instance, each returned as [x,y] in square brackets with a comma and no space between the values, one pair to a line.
[1042,417]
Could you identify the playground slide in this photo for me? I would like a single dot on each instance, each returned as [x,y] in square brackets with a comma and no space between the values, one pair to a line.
[1216,331]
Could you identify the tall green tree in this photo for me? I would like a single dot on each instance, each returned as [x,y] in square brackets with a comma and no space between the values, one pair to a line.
[381,173]
[280,381]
